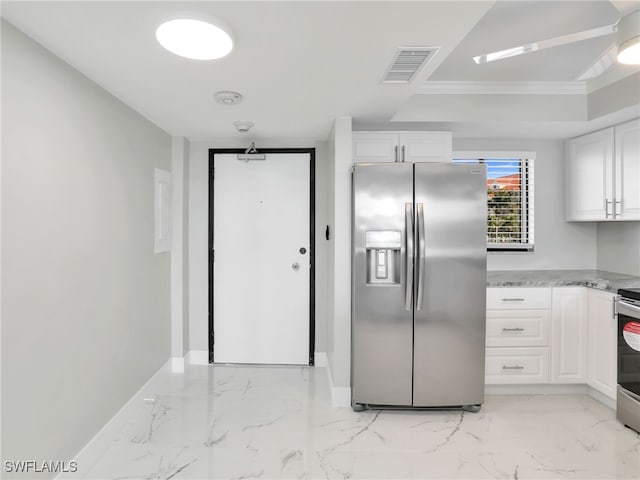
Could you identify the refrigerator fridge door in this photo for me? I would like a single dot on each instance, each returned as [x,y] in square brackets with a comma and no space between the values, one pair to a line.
[382,317]
[449,333]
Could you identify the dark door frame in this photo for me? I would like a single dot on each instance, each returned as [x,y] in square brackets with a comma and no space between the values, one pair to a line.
[312,250]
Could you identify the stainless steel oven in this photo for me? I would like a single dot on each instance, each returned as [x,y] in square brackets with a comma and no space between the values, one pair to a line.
[628,401]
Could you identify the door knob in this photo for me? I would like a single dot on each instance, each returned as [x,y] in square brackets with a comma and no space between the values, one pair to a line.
[295,266]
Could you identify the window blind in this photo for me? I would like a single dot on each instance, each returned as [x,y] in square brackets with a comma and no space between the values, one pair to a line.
[509,202]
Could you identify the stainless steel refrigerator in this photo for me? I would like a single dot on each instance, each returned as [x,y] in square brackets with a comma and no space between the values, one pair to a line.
[419,285]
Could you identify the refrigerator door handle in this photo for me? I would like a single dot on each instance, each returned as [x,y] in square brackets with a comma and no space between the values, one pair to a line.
[408,267]
[420,256]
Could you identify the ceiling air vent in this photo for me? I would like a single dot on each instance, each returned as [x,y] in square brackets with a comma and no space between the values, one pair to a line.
[406,62]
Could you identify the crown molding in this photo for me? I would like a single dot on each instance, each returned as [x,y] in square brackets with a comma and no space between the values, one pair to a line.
[502,88]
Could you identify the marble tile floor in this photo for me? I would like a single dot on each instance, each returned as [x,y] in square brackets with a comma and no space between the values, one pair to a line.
[245,422]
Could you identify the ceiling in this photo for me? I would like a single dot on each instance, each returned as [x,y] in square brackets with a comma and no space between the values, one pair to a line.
[301,64]
[509,24]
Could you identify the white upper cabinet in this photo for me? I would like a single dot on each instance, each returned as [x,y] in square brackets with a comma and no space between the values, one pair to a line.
[375,147]
[590,176]
[627,170]
[603,175]
[425,147]
[402,147]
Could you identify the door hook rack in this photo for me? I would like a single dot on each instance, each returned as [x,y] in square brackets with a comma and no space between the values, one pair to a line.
[251,153]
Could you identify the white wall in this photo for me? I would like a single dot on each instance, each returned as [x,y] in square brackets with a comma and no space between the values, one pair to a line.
[85,301]
[198,245]
[331,264]
[322,167]
[198,233]
[619,247]
[185,242]
[558,244]
[339,257]
[179,251]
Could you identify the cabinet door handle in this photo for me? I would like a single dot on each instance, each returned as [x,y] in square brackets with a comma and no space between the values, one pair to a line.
[514,367]
[607,202]
[513,299]
[516,329]
[402,153]
[617,212]
[395,154]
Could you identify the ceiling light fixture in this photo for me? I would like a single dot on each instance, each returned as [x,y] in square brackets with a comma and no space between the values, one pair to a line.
[226,97]
[243,127]
[194,39]
[628,39]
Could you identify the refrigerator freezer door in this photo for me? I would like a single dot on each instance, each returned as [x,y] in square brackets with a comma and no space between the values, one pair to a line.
[381,325]
[449,334]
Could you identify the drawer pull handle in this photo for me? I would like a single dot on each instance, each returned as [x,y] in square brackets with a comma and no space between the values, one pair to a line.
[513,299]
[515,367]
[516,329]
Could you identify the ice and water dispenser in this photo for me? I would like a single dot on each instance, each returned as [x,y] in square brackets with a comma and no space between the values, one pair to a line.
[383,257]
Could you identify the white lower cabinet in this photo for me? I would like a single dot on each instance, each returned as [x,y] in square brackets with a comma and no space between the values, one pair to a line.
[603,338]
[517,328]
[569,335]
[517,365]
[559,335]
[518,331]
[517,298]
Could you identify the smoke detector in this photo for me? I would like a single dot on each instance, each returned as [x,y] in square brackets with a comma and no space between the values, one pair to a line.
[243,127]
[227,97]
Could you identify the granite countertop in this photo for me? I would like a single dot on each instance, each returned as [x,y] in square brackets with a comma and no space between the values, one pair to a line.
[599,279]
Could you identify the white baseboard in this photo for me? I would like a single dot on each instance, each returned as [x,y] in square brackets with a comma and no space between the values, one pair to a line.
[197,357]
[201,357]
[88,455]
[551,389]
[320,359]
[602,398]
[340,396]
[177,364]
[536,389]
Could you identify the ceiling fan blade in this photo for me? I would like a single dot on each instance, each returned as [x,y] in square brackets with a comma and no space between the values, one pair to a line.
[541,45]
[602,64]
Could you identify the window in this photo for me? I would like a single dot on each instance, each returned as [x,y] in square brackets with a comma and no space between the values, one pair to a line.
[509,198]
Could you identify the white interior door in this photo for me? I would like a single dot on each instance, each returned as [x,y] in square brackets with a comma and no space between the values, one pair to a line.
[261,276]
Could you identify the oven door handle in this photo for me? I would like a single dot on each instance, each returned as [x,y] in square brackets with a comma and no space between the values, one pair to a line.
[628,309]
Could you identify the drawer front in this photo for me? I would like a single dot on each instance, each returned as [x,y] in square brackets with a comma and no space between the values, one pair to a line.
[501,298]
[517,365]
[518,328]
